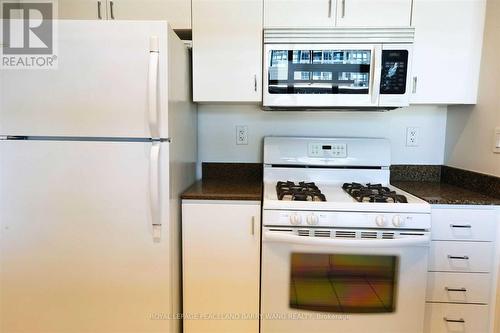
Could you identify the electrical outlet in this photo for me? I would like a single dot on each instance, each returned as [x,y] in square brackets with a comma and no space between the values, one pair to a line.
[241,135]
[412,136]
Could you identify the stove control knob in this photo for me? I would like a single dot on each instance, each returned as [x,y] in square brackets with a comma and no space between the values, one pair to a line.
[312,219]
[397,221]
[295,219]
[380,221]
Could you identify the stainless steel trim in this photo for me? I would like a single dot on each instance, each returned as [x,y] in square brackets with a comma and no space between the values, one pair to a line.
[339,35]
[465,226]
[111,7]
[461,320]
[456,289]
[99,16]
[343,8]
[458,257]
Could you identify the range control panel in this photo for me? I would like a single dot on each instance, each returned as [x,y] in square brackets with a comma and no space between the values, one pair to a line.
[322,150]
[380,220]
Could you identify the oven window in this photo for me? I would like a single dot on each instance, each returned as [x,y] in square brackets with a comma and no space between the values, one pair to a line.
[319,71]
[343,283]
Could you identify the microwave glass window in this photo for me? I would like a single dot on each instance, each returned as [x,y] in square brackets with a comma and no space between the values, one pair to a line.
[343,283]
[319,71]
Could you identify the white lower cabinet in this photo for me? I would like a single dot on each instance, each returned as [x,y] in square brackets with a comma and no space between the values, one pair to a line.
[454,318]
[461,261]
[449,256]
[458,287]
[221,266]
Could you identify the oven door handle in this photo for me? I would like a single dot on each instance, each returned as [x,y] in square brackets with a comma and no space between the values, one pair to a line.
[282,237]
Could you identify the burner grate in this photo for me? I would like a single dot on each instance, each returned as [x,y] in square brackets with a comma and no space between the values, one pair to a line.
[302,191]
[373,193]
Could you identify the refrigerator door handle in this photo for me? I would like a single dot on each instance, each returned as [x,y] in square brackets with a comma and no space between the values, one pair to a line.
[154,58]
[154,189]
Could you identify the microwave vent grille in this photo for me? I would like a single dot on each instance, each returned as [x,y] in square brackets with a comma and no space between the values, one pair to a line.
[339,35]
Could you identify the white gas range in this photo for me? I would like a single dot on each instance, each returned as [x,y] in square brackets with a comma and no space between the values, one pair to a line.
[342,249]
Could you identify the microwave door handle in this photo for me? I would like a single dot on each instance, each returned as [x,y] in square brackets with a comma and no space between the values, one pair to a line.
[283,237]
[376,72]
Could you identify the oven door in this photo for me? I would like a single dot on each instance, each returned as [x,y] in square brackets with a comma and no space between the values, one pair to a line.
[322,75]
[315,282]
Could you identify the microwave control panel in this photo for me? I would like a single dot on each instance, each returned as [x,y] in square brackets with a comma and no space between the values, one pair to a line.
[394,72]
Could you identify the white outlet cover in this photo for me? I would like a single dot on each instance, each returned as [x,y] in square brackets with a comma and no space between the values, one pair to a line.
[412,136]
[242,135]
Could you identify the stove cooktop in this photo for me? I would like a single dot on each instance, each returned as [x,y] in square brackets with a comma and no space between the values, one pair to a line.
[373,193]
[325,196]
[301,191]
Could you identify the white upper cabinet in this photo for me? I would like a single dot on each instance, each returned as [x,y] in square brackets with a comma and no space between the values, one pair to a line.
[299,13]
[81,9]
[447,52]
[176,12]
[373,13]
[227,50]
[328,13]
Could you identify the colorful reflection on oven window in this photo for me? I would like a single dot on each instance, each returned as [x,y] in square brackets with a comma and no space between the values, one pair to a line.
[343,283]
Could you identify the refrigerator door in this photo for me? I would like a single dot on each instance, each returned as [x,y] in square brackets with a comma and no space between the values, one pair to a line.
[107,84]
[77,246]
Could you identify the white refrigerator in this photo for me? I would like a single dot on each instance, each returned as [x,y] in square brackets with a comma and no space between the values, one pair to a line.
[93,158]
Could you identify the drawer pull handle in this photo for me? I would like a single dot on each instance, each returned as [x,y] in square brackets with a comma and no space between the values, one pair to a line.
[454,320]
[458,258]
[463,226]
[456,289]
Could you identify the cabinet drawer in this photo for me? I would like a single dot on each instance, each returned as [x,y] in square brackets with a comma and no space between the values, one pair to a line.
[446,256]
[458,287]
[463,318]
[463,224]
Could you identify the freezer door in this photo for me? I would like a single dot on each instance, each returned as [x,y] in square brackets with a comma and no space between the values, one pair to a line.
[107,84]
[77,246]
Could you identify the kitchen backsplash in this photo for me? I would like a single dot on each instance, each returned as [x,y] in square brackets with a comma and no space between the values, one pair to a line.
[217,130]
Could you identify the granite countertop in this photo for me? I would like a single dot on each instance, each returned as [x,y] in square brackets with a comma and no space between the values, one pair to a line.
[227,181]
[439,193]
[445,185]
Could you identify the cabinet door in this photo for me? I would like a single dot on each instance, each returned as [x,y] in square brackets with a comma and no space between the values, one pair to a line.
[82,9]
[176,12]
[299,13]
[447,52]
[373,13]
[221,266]
[227,50]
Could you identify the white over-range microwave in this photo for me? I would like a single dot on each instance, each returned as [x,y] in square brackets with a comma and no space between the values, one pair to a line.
[337,68]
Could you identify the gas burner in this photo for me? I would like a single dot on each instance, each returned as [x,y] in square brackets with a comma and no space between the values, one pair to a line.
[299,192]
[373,193]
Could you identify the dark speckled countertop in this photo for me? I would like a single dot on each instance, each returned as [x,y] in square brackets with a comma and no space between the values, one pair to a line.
[445,185]
[224,190]
[227,181]
[445,194]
